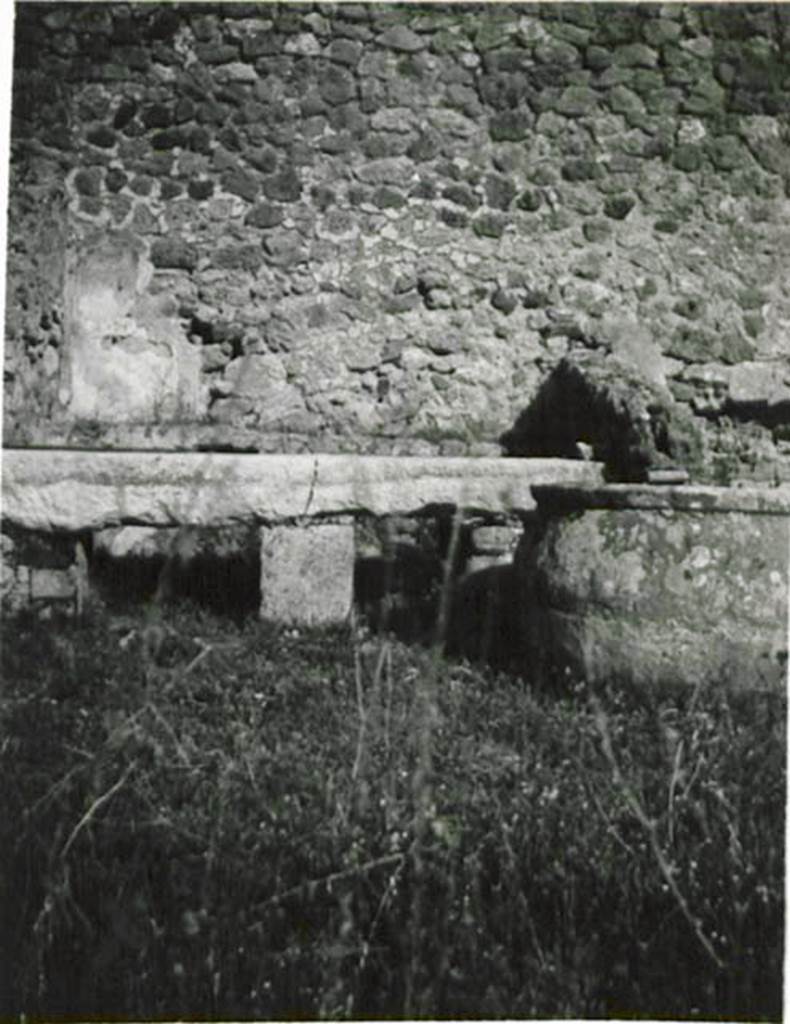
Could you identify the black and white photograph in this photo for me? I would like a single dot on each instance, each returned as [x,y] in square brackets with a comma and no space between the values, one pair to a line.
[395,510]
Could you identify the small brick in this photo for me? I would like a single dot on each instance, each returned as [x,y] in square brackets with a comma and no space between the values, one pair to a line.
[157,116]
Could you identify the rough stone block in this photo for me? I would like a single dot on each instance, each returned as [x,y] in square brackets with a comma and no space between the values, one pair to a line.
[677,585]
[495,540]
[307,573]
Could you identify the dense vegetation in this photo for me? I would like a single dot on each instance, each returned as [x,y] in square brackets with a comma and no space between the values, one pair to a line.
[206,820]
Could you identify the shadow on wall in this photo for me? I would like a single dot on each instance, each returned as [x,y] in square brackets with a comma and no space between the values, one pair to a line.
[630,424]
[484,620]
[212,569]
[398,591]
[401,594]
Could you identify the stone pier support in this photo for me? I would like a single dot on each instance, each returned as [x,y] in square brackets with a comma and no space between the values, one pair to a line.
[307,573]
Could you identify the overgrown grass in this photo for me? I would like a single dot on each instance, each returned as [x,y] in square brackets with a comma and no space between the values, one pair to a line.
[213,821]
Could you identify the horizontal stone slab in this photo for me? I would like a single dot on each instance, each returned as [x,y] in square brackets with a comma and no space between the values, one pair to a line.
[57,489]
[560,497]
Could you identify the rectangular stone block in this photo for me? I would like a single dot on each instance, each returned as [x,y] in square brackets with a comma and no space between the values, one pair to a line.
[307,573]
[495,540]
[52,585]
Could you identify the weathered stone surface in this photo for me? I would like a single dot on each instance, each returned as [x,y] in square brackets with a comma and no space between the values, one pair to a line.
[36,570]
[495,540]
[662,585]
[307,573]
[638,161]
[128,360]
[62,490]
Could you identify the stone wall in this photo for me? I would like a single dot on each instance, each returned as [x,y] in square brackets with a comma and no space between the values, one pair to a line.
[382,228]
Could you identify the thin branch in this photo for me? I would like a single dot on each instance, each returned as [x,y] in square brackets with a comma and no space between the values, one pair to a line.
[169,728]
[328,881]
[650,827]
[95,806]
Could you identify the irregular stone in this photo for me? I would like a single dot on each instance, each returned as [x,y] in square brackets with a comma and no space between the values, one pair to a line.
[759,385]
[697,345]
[500,191]
[265,215]
[168,139]
[157,116]
[241,183]
[216,53]
[345,51]
[727,152]
[174,252]
[688,158]
[635,55]
[115,179]
[581,169]
[622,100]
[510,126]
[388,198]
[337,85]
[102,137]
[619,206]
[462,195]
[529,200]
[88,182]
[284,248]
[504,301]
[401,38]
[489,225]
[285,186]
[577,101]
[390,171]
[200,190]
